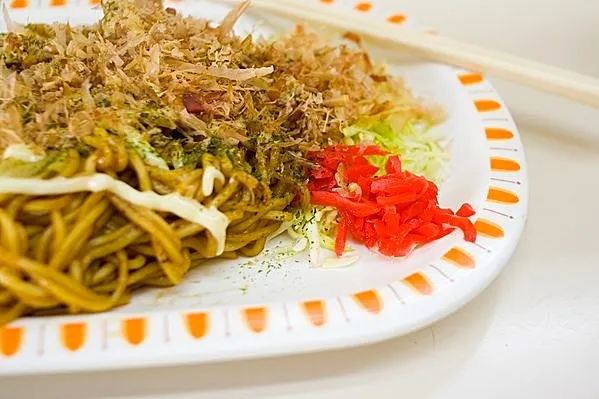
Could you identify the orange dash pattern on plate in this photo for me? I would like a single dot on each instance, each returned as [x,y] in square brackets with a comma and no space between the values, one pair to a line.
[73,335]
[316,312]
[134,330]
[369,301]
[10,340]
[197,324]
[256,319]
[420,283]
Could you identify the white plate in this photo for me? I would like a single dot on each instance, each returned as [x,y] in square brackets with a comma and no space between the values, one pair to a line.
[269,306]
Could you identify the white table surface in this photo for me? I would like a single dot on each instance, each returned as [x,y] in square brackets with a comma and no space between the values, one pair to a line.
[517,339]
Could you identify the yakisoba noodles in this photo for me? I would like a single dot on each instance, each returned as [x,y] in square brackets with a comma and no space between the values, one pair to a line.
[136,149]
[86,250]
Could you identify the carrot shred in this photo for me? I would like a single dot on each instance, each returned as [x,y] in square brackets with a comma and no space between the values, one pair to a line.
[341,236]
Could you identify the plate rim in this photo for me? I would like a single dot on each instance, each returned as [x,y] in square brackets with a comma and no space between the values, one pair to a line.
[377,314]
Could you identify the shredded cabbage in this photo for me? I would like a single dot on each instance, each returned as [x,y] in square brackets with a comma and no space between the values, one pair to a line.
[148,153]
[419,149]
[310,231]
